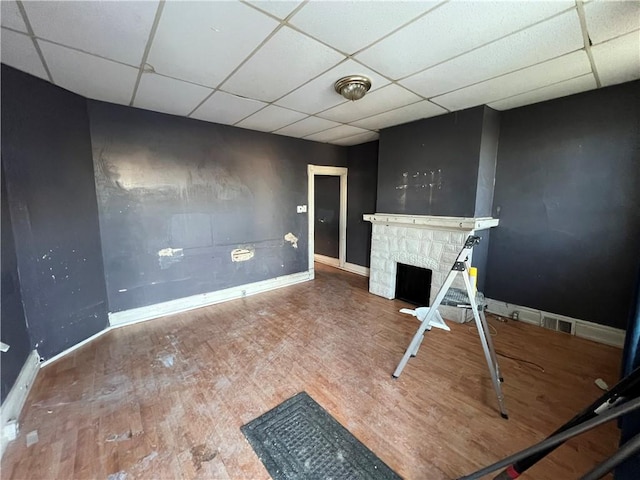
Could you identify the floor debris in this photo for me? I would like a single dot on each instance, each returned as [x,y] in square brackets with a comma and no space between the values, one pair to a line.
[144,463]
[200,454]
[32,438]
[168,360]
[121,475]
[118,438]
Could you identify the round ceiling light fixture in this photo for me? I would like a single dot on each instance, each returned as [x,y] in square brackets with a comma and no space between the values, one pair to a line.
[353,87]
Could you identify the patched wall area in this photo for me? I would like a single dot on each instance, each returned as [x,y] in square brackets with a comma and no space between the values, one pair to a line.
[189,207]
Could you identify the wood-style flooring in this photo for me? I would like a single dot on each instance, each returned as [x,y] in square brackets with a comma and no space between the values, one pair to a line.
[166,398]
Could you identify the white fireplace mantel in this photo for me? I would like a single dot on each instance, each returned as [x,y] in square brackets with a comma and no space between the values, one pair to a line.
[430,221]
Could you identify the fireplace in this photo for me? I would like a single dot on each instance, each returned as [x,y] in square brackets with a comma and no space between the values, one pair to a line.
[413,284]
[424,241]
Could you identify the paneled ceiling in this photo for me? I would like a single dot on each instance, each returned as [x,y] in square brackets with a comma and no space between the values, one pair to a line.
[271,65]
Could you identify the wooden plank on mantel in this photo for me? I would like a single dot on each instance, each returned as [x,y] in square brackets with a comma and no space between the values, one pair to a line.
[425,221]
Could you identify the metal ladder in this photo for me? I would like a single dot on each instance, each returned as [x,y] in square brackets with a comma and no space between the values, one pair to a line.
[448,296]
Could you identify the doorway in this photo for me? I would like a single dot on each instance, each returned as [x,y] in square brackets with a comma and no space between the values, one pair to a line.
[327,215]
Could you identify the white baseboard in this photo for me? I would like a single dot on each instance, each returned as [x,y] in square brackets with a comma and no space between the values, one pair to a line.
[600,333]
[582,328]
[333,262]
[12,406]
[150,312]
[127,317]
[74,347]
[357,269]
[349,267]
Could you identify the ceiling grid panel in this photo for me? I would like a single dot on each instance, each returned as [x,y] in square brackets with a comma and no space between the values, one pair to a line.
[536,44]
[12,16]
[114,30]
[31,33]
[147,48]
[530,78]
[453,29]
[272,65]
[587,42]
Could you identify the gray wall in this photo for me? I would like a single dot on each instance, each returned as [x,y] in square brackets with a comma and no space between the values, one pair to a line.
[430,167]
[488,158]
[46,154]
[442,166]
[13,326]
[362,163]
[162,182]
[568,197]
[177,195]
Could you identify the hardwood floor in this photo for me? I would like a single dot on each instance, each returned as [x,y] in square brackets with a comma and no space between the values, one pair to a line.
[166,398]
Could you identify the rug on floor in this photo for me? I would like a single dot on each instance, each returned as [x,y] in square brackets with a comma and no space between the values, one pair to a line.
[298,440]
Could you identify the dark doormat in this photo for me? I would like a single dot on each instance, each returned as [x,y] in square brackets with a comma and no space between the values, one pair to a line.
[298,439]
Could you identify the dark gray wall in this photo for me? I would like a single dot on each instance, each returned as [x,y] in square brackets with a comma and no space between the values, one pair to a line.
[13,326]
[200,190]
[327,213]
[430,167]
[361,198]
[480,257]
[568,197]
[46,153]
[487,162]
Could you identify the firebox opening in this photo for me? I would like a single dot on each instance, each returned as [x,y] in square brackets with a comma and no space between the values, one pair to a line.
[413,284]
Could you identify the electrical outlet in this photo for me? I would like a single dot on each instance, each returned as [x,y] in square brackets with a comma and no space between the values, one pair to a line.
[301,209]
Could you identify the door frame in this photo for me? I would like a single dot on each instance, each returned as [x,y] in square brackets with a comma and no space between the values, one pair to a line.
[312,171]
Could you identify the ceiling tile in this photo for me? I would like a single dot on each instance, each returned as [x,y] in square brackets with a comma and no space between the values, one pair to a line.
[357,139]
[225,108]
[555,37]
[168,95]
[285,62]
[11,16]
[278,8]
[386,98]
[618,60]
[319,94]
[349,27]
[561,89]
[271,118]
[452,29]
[553,71]
[336,133]
[19,52]
[607,19]
[88,75]
[115,30]
[307,126]
[202,42]
[409,113]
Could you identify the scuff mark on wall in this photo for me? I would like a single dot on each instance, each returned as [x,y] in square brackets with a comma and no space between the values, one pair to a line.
[291,238]
[170,252]
[242,254]
[412,184]
[169,256]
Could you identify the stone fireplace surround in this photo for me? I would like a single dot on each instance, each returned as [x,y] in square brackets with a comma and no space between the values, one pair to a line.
[425,241]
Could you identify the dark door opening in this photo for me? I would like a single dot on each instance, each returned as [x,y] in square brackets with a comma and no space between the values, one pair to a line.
[413,284]
[327,221]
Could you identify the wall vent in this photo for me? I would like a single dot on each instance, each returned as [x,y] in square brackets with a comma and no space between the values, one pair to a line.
[559,325]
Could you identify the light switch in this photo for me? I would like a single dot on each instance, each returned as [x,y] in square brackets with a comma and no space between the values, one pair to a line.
[301,208]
